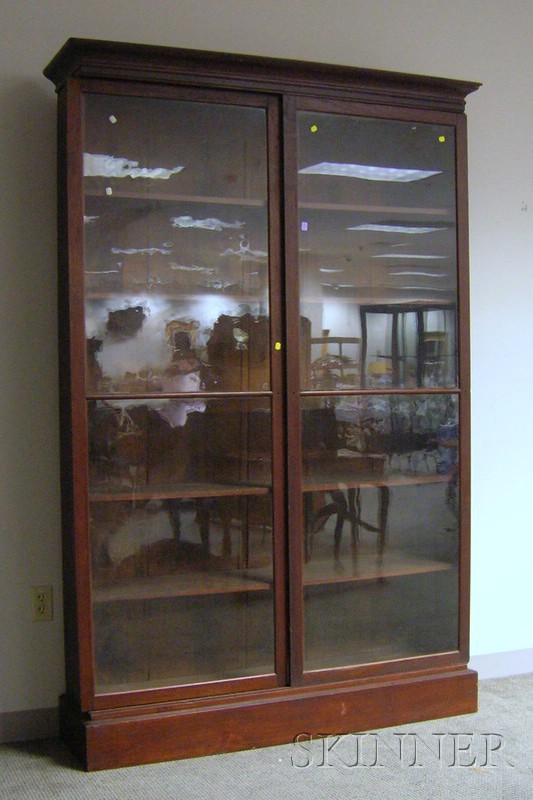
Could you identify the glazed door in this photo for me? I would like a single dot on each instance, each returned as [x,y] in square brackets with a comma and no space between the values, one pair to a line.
[183,392]
[377,395]
[269,426]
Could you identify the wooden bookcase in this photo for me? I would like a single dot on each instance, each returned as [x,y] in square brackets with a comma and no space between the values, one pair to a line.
[263,301]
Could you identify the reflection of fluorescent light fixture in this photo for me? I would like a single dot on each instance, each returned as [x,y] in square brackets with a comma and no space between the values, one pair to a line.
[367,172]
[145,251]
[192,268]
[209,224]
[406,255]
[327,269]
[392,228]
[423,288]
[113,167]
[424,274]
[245,252]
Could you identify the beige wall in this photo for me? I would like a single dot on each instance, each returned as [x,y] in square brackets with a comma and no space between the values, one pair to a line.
[472,39]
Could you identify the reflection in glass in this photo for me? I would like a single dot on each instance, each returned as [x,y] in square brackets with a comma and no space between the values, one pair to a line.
[181,540]
[377,229]
[175,246]
[380,477]
[408,345]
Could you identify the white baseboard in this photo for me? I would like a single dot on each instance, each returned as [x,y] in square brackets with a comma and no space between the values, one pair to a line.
[503,665]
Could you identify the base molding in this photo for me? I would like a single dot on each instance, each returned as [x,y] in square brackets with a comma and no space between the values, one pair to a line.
[503,665]
[35,723]
[262,719]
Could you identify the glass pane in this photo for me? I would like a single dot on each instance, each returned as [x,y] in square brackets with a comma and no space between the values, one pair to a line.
[176,246]
[181,540]
[381,529]
[377,252]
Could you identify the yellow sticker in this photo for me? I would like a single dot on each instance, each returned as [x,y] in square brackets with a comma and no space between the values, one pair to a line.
[313,128]
[442,139]
[277,346]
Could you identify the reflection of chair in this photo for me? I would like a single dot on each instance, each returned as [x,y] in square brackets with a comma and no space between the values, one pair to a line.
[343,508]
[331,468]
[380,372]
[320,445]
[231,453]
[333,368]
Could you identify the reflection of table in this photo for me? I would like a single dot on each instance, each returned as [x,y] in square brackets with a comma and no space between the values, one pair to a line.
[345,491]
[221,495]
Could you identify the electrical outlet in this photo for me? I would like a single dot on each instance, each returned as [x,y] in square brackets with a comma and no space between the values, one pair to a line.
[42,603]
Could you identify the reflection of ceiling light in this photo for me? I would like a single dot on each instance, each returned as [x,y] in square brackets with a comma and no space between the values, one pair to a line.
[367,172]
[424,274]
[416,288]
[392,228]
[112,167]
[101,271]
[337,286]
[424,289]
[145,251]
[209,224]
[406,255]
[245,252]
[192,268]
[328,269]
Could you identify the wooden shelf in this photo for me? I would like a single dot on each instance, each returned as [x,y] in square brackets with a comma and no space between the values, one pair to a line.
[180,584]
[181,491]
[364,295]
[171,293]
[187,680]
[325,483]
[378,209]
[149,195]
[366,566]
[359,567]
[318,483]
[340,340]
[317,572]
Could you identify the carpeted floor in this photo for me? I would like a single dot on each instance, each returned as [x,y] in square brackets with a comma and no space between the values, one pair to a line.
[485,755]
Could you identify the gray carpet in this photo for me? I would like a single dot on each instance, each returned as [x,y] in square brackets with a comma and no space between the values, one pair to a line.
[485,755]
